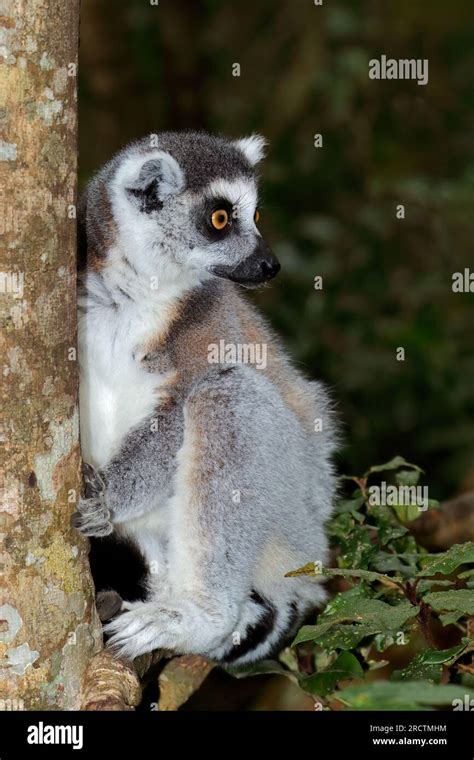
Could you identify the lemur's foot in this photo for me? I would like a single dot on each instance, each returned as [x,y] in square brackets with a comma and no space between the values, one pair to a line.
[140,628]
[92,517]
[108,604]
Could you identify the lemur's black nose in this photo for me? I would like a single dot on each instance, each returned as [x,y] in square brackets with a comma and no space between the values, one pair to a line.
[270,269]
[266,261]
[259,267]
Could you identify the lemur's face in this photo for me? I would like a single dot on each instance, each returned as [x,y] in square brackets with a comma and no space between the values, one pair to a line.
[191,205]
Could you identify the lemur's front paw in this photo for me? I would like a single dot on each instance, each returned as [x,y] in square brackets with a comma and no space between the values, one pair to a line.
[92,517]
[94,485]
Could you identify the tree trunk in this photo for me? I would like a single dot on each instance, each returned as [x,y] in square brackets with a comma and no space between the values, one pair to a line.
[51,654]
[48,624]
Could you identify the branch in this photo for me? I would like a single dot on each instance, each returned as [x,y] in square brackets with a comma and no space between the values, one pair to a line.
[179,679]
[110,684]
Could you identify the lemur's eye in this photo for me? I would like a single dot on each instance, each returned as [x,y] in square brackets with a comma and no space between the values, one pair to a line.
[256,216]
[220,219]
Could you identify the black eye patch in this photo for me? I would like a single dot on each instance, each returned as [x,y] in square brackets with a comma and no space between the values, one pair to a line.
[205,213]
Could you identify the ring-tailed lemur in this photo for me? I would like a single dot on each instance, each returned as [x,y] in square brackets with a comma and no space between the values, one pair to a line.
[218,473]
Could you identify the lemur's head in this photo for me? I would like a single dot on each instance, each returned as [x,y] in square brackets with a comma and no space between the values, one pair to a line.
[183,203]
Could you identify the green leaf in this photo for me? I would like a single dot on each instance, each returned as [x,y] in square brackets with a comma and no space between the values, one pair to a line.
[428,665]
[448,562]
[406,513]
[351,616]
[451,617]
[346,666]
[367,575]
[356,549]
[402,564]
[350,506]
[342,636]
[393,464]
[266,667]
[402,695]
[408,477]
[457,600]
[356,605]
[428,584]
[389,528]
[329,572]
[341,526]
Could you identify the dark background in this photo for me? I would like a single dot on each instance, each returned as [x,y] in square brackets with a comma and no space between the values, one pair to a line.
[328,211]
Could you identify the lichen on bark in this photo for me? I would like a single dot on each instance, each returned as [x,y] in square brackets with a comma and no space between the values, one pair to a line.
[48,626]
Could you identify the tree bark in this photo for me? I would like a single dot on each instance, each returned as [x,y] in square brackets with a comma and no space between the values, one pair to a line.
[48,625]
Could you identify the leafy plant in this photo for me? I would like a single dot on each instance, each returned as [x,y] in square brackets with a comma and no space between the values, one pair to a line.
[391,597]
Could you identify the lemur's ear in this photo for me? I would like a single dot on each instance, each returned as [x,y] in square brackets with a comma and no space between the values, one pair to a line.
[252,147]
[157,177]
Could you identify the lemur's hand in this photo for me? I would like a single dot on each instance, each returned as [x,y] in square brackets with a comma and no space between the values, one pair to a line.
[92,517]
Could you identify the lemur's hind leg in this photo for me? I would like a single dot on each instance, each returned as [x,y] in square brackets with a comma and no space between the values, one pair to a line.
[221,518]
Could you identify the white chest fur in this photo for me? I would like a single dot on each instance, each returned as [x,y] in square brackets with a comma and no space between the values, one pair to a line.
[116,394]
[119,314]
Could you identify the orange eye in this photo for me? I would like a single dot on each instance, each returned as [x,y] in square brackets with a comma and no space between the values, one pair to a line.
[220,219]
[256,217]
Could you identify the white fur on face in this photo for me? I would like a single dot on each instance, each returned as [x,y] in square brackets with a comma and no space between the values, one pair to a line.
[242,194]
[143,238]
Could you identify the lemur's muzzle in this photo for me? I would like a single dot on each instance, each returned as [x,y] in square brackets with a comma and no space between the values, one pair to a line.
[261,266]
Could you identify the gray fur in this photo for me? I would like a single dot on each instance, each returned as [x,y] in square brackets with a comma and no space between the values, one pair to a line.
[225,485]
[202,157]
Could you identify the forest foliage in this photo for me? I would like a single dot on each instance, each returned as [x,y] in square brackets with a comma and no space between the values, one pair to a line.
[397,632]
